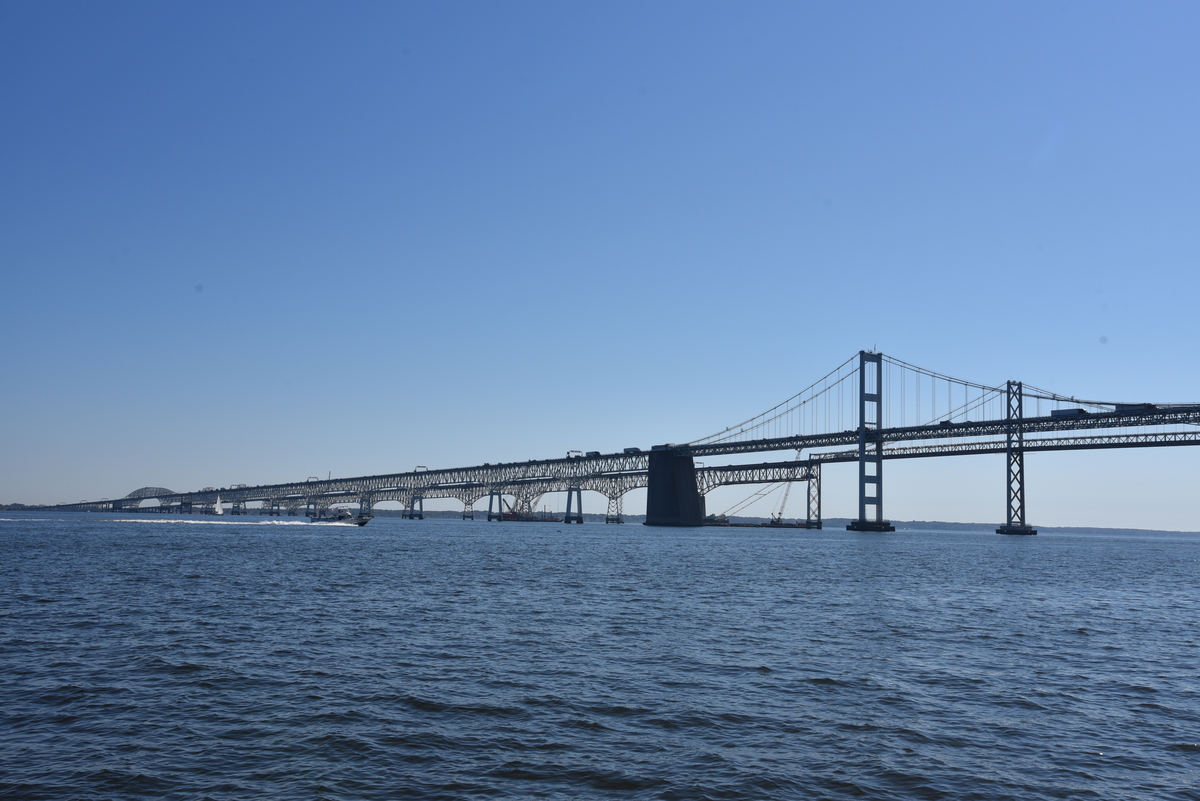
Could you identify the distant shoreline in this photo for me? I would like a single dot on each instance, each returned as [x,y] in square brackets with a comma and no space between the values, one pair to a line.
[832,523]
[840,522]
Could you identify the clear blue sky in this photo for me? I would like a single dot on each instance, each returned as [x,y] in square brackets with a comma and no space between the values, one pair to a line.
[253,242]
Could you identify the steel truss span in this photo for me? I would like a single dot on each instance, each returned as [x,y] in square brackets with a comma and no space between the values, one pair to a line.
[871,409]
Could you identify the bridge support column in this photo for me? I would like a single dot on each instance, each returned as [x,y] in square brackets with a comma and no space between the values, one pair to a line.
[813,519]
[468,510]
[578,516]
[416,508]
[672,496]
[1014,453]
[615,512]
[527,501]
[870,446]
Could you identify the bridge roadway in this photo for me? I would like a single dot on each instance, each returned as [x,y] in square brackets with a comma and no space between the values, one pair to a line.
[672,501]
[1167,415]
[685,483]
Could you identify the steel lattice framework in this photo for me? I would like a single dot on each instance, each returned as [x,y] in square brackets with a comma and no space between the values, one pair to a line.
[871,442]
[1170,415]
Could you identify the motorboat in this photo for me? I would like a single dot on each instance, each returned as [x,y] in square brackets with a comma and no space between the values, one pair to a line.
[341,516]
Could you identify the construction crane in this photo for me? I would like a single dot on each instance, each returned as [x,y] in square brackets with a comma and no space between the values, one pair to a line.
[777,516]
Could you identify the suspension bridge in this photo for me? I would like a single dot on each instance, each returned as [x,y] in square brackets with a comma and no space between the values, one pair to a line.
[870,409]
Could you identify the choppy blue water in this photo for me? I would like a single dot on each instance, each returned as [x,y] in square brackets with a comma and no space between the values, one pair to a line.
[444,660]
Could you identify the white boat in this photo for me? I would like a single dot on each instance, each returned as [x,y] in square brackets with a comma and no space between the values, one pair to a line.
[217,508]
[342,516]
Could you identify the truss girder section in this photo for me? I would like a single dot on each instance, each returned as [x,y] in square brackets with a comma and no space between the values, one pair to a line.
[618,473]
[1172,415]
[431,483]
[709,478]
[1162,439]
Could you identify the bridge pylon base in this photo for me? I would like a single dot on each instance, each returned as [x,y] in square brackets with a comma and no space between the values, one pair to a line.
[576,494]
[870,525]
[498,499]
[672,495]
[1016,529]
[811,524]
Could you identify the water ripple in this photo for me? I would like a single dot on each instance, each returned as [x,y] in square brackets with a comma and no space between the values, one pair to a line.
[445,660]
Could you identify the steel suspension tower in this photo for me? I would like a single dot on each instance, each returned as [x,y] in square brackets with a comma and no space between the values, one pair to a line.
[870,445]
[1015,456]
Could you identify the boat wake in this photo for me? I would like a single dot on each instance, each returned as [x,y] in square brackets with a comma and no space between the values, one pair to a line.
[242,522]
[239,521]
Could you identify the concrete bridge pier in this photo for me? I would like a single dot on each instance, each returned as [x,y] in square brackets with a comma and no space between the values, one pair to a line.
[672,495]
[577,516]
[498,499]
[416,508]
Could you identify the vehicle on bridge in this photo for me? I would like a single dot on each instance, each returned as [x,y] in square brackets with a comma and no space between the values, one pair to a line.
[949,417]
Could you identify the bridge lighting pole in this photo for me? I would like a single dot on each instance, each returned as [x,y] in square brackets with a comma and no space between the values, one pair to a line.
[1014,452]
[870,445]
